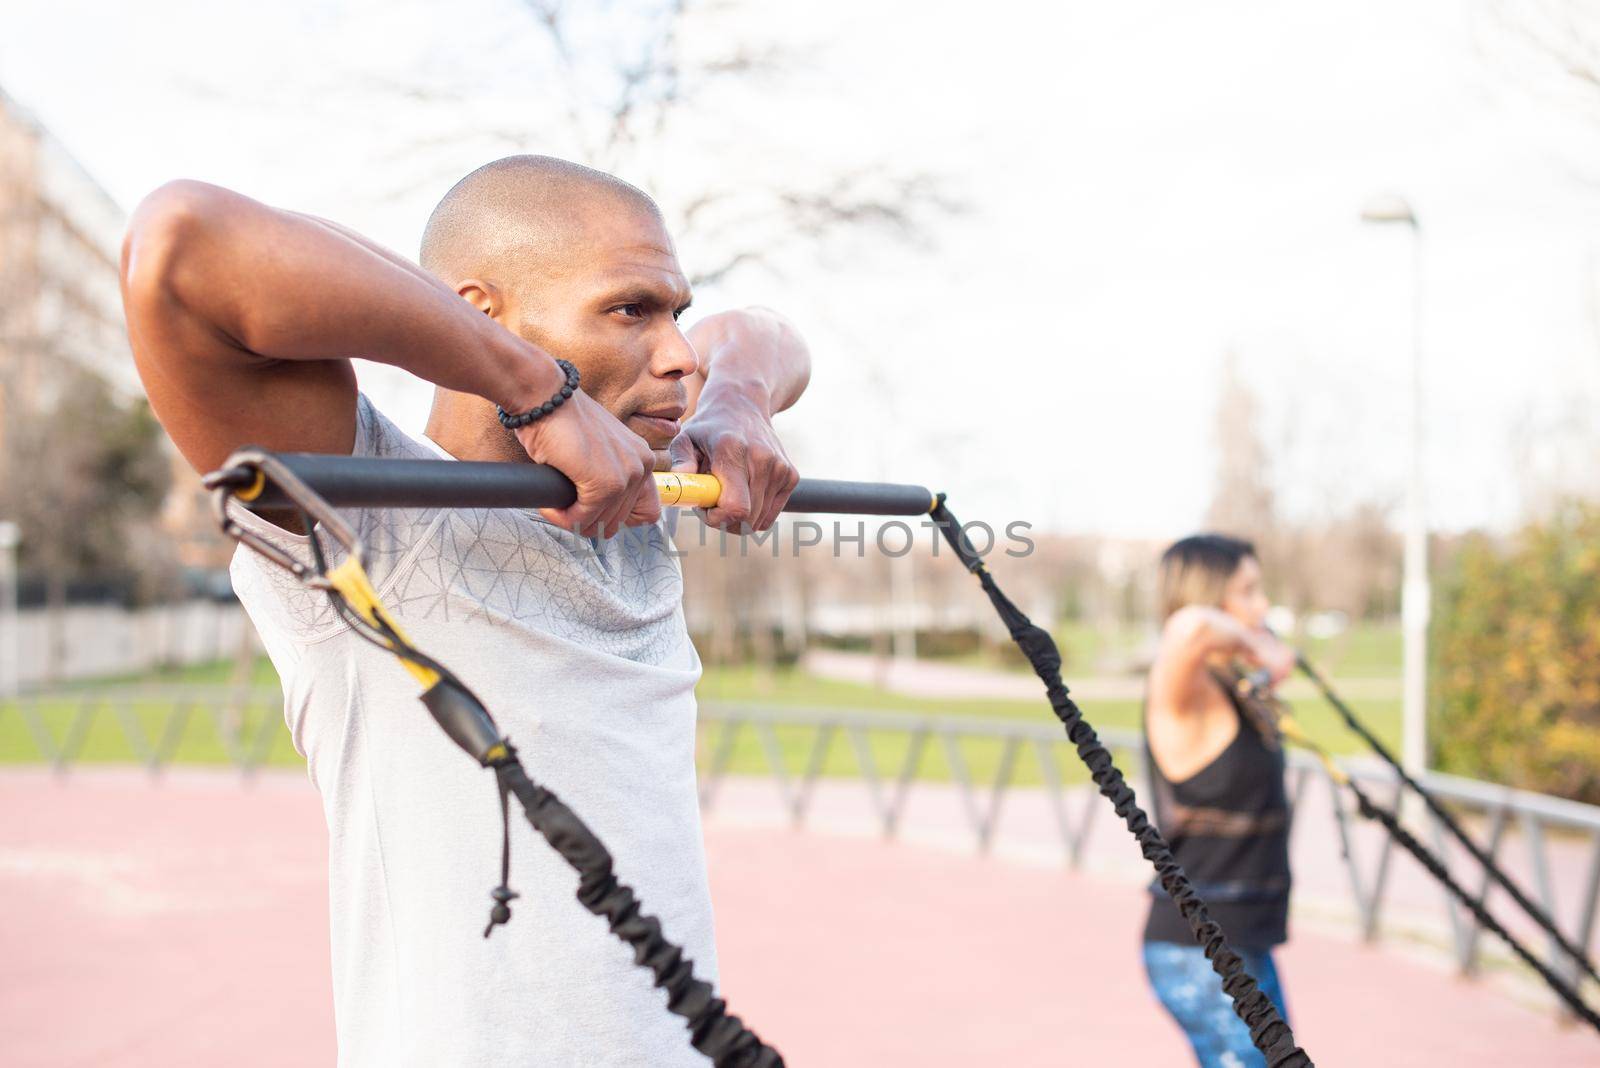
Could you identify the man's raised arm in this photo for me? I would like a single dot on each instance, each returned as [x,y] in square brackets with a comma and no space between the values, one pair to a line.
[243,320]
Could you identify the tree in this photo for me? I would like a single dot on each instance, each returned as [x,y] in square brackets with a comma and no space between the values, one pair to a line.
[1242,499]
[661,92]
[1517,676]
[88,477]
[1344,556]
[82,470]
[1565,36]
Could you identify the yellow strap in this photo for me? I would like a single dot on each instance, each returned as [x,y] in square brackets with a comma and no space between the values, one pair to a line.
[1291,730]
[351,582]
[688,491]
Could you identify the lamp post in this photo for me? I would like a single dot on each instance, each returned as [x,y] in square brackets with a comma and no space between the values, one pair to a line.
[10,620]
[1414,591]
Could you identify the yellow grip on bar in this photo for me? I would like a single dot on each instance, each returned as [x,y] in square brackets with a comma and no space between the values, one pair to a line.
[688,491]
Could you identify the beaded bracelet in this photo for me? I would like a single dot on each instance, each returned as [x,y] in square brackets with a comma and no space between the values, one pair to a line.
[517,422]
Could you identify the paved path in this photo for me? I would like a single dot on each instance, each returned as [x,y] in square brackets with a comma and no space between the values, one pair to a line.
[183,923]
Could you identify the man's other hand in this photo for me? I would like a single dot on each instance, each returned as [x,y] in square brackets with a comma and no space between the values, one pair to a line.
[731,436]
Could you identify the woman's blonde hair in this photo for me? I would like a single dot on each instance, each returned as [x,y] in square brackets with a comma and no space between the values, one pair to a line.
[1196,570]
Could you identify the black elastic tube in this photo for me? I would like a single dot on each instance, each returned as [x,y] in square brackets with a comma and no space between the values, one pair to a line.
[713,1030]
[1568,992]
[368,482]
[1534,912]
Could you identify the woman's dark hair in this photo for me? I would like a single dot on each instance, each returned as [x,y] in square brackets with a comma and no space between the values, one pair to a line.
[1196,569]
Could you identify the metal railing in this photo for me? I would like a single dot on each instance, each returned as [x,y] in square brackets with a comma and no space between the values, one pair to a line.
[1538,818]
[151,723]
[892,755]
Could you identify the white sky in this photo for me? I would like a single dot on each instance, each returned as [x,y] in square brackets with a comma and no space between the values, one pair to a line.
[1152,187]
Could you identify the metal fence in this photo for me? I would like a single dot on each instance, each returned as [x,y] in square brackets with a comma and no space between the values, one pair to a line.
[1075,806]
[800,749]
[147,725]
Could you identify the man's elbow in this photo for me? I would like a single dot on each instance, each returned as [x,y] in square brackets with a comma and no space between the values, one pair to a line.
[163,235]
[786,339]
[775,323]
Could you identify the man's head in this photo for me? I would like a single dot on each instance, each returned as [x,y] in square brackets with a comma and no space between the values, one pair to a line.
[579,263]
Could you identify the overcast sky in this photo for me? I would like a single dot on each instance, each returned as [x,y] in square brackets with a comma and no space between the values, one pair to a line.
[1151,187]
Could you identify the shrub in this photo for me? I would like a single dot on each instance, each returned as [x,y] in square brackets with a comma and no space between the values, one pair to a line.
[1517,658]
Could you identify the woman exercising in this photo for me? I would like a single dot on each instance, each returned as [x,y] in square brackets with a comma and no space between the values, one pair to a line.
[1216,774]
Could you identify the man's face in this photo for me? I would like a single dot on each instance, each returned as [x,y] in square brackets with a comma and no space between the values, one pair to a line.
[609,301]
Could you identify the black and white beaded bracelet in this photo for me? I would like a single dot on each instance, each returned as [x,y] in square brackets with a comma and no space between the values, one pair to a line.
[517,422]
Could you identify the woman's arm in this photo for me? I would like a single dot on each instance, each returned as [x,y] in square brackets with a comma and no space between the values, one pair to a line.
[1192,637]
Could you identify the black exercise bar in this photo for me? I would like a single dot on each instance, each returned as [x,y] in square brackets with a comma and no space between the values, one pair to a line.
[369,482]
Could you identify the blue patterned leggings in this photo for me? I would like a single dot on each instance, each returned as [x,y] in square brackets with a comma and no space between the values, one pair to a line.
[1182,978]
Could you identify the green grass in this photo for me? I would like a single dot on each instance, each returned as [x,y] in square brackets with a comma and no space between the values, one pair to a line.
[101,738]
[745,686]
[1088,649]
[1365,651]
[96,731]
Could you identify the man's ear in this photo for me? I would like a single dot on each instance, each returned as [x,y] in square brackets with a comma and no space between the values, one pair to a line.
[485,296]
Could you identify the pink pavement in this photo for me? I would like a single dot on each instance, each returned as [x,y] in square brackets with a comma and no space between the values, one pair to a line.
[183,922]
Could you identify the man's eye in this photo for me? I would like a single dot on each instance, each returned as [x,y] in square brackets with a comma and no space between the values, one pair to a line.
[632,311]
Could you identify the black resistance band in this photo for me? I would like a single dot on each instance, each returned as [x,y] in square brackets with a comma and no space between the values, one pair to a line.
[312,484]
[1291,729]
[1494,871]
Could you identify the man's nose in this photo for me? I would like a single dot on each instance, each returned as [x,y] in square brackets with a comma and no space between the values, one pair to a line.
[674,357]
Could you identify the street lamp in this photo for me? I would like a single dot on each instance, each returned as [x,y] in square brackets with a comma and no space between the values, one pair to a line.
[10,620]
[1414,593]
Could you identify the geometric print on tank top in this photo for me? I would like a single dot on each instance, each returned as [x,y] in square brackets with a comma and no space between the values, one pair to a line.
[619,596]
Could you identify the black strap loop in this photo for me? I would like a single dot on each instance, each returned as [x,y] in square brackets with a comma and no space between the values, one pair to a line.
[503,895]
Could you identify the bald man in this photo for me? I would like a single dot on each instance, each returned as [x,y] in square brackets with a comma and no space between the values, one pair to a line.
[244,320]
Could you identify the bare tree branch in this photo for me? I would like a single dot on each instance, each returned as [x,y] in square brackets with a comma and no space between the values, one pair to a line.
[624,97]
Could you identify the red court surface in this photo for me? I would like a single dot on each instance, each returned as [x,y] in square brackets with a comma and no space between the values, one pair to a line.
[183,923]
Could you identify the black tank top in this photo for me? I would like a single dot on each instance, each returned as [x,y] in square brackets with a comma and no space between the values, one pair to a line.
[1228,825]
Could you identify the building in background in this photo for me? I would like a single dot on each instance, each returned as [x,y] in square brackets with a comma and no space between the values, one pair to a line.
[59,239]
[61,305]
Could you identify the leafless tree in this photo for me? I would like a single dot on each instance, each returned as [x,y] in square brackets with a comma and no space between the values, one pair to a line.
[1563,34]
[1242,499]
[1344,557]
[1551,48]
[637,86]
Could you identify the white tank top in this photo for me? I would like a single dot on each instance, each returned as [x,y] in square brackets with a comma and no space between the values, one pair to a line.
[579,649]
